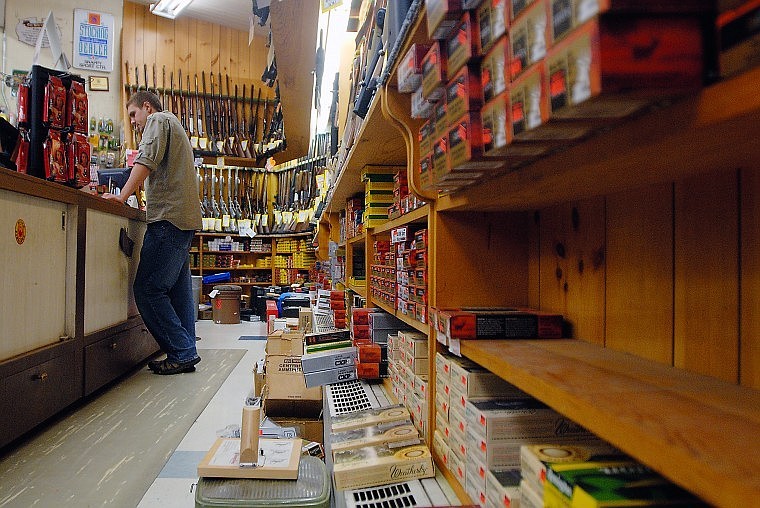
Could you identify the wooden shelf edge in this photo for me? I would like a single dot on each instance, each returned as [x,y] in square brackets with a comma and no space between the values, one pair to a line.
[420,327]
[362,291]
[356,239]
[408,218]
[676,422]
[655,146]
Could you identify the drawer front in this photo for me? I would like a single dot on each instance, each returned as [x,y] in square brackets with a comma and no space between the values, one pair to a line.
[34,395]
[114,356]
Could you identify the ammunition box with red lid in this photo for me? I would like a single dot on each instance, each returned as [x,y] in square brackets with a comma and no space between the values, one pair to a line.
[527,37]
[433,72]
[409,76]
[463,93]
[367,370]
[369,353]
[442,16]
[466,146]
[439,118]
[494,70]
[497,135]
[420,106]
[529,105]
[612,66]
[491,17]
[463,44]
[440,158]
[566,15]
[425,136]
[500,324]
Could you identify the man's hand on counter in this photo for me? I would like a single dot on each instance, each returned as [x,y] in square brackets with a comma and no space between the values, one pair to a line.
[113,197]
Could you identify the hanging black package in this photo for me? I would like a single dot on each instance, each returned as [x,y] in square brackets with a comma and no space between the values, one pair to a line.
[40,114]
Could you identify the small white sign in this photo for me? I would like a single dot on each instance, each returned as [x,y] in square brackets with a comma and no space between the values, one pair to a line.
[93,40]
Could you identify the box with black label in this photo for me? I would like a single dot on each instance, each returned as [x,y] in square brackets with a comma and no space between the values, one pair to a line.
[494,70]
[426,172]
[410,68]
[463,44]
[343,357]
[601,69]
[466,146]
[330,376]
[463,93]
[529,104]
[442,16]
[422,107]
[492,19]
[433,72]
[528,38]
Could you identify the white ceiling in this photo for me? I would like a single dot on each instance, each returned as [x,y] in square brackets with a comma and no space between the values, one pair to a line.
[231,13]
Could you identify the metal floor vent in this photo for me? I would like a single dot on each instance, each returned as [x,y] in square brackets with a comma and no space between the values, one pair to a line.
[350,396]
[399,495]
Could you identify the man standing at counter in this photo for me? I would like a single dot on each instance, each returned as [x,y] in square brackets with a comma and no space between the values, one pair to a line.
[163,286]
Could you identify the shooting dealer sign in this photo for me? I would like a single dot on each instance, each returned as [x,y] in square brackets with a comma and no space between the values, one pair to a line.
[93,40]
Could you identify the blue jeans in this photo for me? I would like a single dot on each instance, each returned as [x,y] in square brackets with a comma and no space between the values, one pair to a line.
[164,290]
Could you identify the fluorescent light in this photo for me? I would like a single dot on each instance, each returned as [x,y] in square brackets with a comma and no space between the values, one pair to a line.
[169,8]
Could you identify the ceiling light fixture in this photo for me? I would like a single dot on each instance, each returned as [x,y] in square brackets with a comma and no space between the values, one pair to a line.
[169,8]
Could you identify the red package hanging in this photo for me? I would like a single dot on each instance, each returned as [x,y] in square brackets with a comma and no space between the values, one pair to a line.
[76,108]
[54,107]
[23,105]
[79,160]
[56,168]
[22,152]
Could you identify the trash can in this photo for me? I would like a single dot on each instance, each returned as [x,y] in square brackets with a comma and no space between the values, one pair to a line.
[310,490]
[197,289]
[226,304]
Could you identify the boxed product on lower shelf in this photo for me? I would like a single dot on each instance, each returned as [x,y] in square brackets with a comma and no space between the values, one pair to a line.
[380,465]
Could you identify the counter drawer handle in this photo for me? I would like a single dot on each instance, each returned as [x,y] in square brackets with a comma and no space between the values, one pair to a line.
[113,345]
[42,376]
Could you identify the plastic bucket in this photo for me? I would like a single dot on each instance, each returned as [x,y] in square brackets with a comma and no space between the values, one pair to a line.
[197,288]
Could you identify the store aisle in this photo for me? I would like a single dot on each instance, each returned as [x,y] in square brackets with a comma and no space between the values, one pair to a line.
[138,443]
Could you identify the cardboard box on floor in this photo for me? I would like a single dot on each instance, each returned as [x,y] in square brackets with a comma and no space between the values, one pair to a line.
[284,389]
[285,342]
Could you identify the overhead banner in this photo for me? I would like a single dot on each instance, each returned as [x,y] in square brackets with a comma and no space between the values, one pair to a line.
[93,40]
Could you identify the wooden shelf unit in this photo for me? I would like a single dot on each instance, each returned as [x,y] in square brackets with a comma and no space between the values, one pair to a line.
[644,236]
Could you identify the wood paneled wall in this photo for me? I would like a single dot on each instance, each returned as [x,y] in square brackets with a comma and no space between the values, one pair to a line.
[192,46]
[667,272]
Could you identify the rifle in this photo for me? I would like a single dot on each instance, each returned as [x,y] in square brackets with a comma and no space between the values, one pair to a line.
[222,143]
[224,209]
[207,114]
[182,110]
[200,189]
[173,98]
[163,88]
[231,117]
[369,83]
[214,205]
[230,203]
[191,117]
[127,86]
[213,126]
[202,140]
[137,79]
[155,86]
[255,123]
[244,140]
[145,73]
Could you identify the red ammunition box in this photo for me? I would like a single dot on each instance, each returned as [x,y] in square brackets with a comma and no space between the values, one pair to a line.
[369,353]
[440,158]
[433,72]
[360,332]
[463,94]
[339,314]
[421,238]
[566,15]
[612,65]
[497,135]
[463,44]
[466,146]
[494,74]
[517,6]
[501,324]
[425,136]
[442,16]
[439,117]
[422,107]
[410,68]
[368,370]
[527,38]
[492,22]
[426,172]
[530,112]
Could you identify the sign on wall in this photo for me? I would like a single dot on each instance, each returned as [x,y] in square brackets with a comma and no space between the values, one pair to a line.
[93,40]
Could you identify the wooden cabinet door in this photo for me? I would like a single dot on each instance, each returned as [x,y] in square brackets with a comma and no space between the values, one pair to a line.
[107,272]
[33,253]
